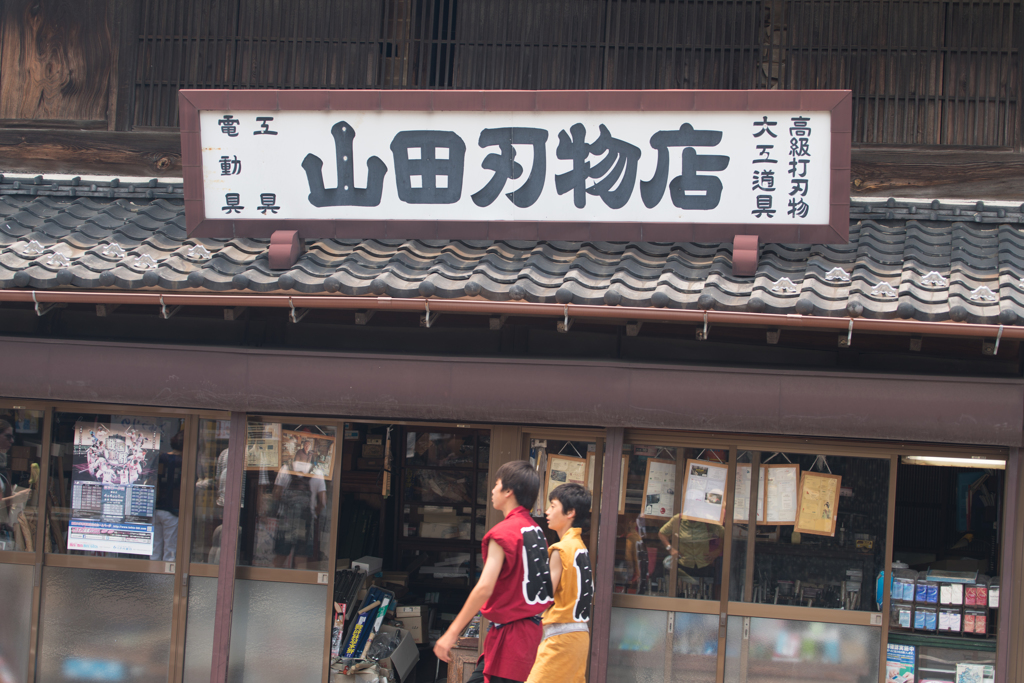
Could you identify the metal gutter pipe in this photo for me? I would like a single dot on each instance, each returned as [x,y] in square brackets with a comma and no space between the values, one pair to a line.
[516,308]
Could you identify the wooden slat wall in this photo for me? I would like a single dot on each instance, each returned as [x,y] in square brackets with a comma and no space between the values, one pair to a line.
[923,72]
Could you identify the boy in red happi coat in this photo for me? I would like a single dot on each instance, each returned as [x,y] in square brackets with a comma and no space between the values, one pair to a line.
[514,586]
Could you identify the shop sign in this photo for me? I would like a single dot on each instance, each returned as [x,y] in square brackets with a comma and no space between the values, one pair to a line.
[371,164]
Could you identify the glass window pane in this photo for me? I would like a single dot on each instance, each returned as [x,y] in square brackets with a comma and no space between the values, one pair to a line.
[636,647]
[21,448]
[277,632]
[694,648]
[202,607]
[655,528]
[829,560]
[437,449]
[115,622]
[15,627]
[211,479]
[783,650]
[115,484]
[287,478]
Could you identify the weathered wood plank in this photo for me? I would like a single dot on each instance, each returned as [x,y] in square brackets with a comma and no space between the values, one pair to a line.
[937,174]
[57,59]
[149,154]
[900,172]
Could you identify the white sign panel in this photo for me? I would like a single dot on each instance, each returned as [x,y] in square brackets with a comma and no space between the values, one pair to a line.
[733,167]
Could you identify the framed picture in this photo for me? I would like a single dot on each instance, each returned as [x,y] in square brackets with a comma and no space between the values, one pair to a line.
[741,497]
[263,446]
[704,495]
[308,454]
[781,496]
[818,503]
[564,469]
[659,489]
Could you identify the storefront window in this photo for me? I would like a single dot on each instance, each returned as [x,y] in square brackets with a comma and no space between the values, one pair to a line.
[671,522]
[21,445]
[211,481]
[638,647]
[115,485]
[820,533]
[287,492]
[768,650]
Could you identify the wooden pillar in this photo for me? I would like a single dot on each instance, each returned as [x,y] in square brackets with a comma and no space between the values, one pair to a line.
[228,550]
[1010,643]
[604,570]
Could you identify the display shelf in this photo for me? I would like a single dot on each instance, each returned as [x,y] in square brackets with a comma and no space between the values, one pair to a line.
[986,644]
[816,550]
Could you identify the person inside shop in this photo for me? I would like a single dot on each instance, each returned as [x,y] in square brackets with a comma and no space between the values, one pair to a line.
[697,547]
[12,502]
[300,497]
[168,491]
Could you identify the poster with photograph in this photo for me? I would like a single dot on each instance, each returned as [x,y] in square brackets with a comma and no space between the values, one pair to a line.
[781,496]
[113,487]
[564,469]
[263,446]
[308,454]
[660,488]
[704,491]
[818,503]
[741,502]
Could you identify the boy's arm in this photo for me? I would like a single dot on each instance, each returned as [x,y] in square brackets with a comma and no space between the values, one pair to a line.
[477,597]
[555,568]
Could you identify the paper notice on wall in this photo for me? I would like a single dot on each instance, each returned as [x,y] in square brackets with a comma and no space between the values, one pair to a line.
[113,487]
[899,663]
[263,446]
[741,501]
[660,488]
[704,491]
[781,493]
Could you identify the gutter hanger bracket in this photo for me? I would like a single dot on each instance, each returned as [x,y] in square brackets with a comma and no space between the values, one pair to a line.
[165,312]
[234,313]
[428,319]
[633,327]
[293,315]
[496,322]
[43,309]
[104,310]
[846,342]
[702,335]
[566,324]
[363,317]
[990,349]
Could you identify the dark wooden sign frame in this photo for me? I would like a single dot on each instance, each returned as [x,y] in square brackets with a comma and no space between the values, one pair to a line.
[838,102]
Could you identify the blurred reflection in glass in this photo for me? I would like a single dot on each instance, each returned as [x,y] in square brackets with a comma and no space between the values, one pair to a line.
[211,480]
[20,452]
[779,649]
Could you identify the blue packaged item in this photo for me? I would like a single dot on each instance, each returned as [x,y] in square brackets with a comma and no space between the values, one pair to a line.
[931,621]
[922,593]
[920,620]
[933,594]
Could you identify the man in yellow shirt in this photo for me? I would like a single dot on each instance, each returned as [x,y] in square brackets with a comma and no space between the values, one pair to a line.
[562,656]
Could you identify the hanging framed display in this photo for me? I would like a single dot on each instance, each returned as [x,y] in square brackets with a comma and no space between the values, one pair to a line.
[704,495]
[781,499]
[308,454]
[818,503]
[741,499]
[659,488]
[263,446]
[564,469]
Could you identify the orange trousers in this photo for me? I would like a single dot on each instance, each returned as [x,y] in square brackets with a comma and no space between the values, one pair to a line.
[562,659]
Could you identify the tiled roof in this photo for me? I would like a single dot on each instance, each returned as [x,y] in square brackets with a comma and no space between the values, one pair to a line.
[926,261]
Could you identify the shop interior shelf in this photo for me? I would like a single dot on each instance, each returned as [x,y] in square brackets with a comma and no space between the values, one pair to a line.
[935,640]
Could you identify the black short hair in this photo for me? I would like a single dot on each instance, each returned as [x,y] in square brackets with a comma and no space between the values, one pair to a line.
[573,497]
[522,478]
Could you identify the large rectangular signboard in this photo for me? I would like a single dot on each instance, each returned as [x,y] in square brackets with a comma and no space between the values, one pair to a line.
[639,165]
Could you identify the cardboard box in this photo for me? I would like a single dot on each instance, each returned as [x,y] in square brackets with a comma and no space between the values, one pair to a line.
[414,620]
[368,564]
[404,658]
[369,463]
[373,451]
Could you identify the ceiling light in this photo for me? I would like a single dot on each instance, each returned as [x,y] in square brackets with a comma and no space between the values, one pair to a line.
[987,463]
